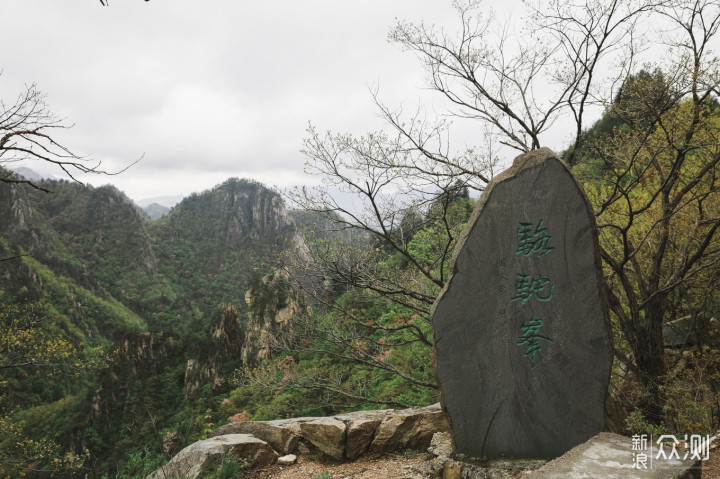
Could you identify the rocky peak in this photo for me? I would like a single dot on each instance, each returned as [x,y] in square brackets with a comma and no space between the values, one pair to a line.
[258,212]
[16,213]
[234,211]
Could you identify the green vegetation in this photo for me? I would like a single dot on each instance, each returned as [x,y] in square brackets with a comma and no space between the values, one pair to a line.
[136,305]
[102,309]
[650,167]
[367,340]
[139,466]
[652,180]
[155,211]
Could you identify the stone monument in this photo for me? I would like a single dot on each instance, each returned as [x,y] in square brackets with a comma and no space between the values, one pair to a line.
[522,350]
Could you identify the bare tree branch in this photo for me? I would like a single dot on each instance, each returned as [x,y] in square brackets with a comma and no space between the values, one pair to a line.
[26,128]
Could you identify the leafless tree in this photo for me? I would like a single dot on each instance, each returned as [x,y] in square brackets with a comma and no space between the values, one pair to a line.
[393,185]
[27,129]
[655,192]
[520,84]
[488,76]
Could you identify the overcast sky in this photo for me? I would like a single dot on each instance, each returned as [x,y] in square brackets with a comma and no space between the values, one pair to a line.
[207,90]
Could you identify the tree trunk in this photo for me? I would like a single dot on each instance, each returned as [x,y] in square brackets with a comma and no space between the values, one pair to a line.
[650,359]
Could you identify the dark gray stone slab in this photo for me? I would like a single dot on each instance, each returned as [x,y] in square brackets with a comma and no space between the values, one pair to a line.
[521,341]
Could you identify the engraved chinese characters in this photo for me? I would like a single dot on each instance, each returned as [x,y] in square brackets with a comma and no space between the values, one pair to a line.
[522,354]
[528,245]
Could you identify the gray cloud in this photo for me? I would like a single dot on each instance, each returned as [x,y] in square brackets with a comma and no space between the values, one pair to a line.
[207,90]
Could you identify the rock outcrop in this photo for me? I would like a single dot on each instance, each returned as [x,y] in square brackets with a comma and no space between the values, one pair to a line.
[227,336]
[273,302]
[342,437]
[347,436]
[283,435]
[192,461]
[231,214]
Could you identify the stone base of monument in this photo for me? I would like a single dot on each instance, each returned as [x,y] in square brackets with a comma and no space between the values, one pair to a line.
[606,455]
[448,465]
[495,469]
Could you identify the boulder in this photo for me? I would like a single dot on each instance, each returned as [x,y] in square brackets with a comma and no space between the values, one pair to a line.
[276,433]
[361,427]
[327,434]
[521,328]
[394,433]
[359,435]
[432,421]
[452,470]
[195,459]
[410,428]
[441,446]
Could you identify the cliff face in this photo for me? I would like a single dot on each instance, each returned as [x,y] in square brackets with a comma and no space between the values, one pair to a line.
[223,347]
[16,216]
[231,213]
[210,243]
[273,304]
[15,211]
[140,386]
[255,214]
[150,377]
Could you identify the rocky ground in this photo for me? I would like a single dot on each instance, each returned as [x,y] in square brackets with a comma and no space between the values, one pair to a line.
[397,466]
[407,444]
[711,468]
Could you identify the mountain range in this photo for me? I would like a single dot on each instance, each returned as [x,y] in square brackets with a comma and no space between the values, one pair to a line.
[164,298]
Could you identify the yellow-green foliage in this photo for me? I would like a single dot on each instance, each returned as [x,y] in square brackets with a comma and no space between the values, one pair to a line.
[692,389]
[67,296]
[28,340]
[33,347]
[656,194]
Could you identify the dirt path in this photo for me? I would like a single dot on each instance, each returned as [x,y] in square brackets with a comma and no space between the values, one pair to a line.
[372,467]
[393,466]
[711,468]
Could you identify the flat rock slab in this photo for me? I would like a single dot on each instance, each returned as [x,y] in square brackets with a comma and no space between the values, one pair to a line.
[611,456]
[521,339]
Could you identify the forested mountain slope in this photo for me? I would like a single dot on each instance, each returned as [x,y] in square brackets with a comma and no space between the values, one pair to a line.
[164,300]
